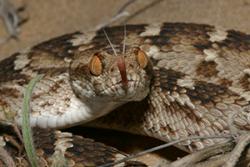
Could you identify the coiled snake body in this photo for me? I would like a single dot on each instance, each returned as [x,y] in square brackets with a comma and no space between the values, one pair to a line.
[168,81]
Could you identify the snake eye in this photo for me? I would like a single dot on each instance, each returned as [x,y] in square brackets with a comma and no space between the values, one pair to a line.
[142,58]
[95,65]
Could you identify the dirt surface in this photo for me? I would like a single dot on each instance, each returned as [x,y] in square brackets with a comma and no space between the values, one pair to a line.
[50,18]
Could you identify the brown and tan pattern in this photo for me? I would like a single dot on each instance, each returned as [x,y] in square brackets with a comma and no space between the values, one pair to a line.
[168,81]
[57,148]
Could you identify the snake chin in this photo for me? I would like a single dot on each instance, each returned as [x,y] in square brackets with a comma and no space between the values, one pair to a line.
[135,91]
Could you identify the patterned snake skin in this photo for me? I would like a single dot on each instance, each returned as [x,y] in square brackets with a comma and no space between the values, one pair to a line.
[56,148]
[168,81]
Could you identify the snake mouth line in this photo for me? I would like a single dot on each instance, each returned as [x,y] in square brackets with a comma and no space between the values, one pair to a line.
[118,87]
[120,82]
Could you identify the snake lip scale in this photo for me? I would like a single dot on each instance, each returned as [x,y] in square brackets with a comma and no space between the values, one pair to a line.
[167,81]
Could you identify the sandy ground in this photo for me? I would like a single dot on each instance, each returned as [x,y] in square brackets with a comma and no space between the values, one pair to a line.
[50,18]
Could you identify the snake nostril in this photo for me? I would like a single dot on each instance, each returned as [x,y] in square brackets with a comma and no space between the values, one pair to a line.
[112,69]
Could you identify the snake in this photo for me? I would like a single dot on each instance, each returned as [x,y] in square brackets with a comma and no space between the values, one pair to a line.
[168,81]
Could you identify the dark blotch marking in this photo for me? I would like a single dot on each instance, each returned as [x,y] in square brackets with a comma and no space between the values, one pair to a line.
[82,147]
[244,81]
[159,40]
[186,28]
[58,46]
[197,34]
[207,69]
[225,82]
[8,72]
[44,139]
[203,45]
[206,92]
[166,79]
[236,40]
[10,92]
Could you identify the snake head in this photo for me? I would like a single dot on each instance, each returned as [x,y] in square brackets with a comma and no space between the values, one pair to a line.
[111,76]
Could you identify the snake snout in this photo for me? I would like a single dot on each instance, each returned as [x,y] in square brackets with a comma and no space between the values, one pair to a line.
[122,69]
[119,70]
